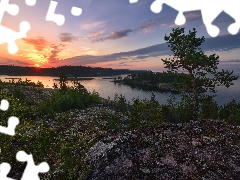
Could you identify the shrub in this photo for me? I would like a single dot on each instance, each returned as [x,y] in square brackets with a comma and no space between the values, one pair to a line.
[230,112]
[70,98]
[145,113]
[17,107]
[208,108]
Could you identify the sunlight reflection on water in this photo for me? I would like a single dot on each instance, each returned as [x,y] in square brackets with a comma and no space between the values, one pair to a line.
[106,89]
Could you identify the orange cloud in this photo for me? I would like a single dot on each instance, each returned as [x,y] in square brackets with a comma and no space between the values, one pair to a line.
[39,43]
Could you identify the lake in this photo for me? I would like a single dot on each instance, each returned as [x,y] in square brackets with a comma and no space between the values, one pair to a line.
[106,89]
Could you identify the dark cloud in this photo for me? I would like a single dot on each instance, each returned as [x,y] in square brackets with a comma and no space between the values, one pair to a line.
[13,62]
[120,34]
[113,36]
[99,35]
[39,43]
[232,61]
[67,37]
[193,16]
[141,60]
[224,42]
[124,64]
[223,19]
[148,25]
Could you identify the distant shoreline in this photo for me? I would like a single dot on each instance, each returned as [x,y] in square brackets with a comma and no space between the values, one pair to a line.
[69,71]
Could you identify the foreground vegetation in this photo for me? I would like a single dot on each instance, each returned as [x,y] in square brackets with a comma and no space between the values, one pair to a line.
[51,127]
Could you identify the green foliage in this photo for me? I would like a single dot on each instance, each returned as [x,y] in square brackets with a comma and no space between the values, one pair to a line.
[27,82]
[66,98]
[149,77]
[230,112]
[62,81]
[40,84]
[157,81]
[208,108]
[55,146]
[114,122]
[141,113]
[145,113]
[17,107]
[187,55]
[70,99]
[178,111]
[120,103]
[181,111]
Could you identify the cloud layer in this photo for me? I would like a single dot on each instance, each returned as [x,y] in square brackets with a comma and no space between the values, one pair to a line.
[225,42]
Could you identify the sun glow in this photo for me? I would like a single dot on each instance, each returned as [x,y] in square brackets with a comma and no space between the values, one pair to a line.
[37,65]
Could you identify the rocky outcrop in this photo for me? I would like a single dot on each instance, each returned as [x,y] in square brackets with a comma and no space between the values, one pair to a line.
[200,150]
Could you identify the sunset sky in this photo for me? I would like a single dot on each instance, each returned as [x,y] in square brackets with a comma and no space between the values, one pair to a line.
[109,33]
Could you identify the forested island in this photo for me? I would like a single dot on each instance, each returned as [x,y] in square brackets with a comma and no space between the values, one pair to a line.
[76,71]
[154,81]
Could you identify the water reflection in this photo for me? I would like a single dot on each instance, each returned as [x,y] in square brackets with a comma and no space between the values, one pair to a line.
[106,89]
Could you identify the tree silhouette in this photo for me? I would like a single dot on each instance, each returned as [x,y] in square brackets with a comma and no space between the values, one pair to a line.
[187,55]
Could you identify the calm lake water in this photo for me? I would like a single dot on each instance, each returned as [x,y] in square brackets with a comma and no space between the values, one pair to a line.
[106,89]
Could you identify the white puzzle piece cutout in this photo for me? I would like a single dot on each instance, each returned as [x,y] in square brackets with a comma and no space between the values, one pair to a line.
[4,105]
[4,170]
[12,123]
[133,1]
[210,10]
[30,2]
[76,11]
[12,9]
[59,19]
[31,171]
[8,35]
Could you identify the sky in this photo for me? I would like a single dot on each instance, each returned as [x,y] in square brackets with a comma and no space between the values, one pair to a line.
[111,34]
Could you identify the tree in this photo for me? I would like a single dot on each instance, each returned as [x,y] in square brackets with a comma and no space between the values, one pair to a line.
[62,81]
[187,55]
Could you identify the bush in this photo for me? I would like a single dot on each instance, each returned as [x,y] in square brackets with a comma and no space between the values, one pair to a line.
[230,112]
[145,113]
[70,98]
[178,111]
[17,107]
[120,104]
[208,108]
